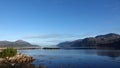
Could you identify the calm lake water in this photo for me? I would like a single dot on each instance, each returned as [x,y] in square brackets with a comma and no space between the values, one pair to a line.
[71,59]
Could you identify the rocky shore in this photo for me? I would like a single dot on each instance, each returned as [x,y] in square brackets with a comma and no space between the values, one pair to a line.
[19,58]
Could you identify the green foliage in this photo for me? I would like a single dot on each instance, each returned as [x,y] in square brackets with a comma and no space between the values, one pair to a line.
[9,52]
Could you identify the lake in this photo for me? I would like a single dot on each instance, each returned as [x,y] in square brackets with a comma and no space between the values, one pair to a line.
[83,58]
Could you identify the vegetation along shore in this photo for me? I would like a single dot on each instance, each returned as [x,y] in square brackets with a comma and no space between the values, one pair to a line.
[11,56]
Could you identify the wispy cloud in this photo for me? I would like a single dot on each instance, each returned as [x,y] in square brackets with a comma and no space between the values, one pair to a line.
[55,41]
[48,36]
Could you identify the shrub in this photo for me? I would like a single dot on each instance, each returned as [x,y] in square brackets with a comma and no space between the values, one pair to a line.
[9,52]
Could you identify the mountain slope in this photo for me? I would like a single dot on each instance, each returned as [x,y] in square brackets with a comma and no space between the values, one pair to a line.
[100,40]
[18,43]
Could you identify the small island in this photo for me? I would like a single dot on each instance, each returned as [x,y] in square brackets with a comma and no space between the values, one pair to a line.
[11,56]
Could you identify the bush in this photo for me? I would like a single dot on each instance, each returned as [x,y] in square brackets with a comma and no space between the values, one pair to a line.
[9,52]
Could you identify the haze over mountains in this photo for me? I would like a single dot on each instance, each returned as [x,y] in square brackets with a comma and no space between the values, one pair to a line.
[18,43]
[108,40]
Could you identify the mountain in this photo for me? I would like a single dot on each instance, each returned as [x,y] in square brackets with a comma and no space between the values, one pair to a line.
[108,40]
[18,43]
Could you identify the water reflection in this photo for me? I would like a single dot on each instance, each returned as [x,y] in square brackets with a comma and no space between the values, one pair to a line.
[112,54]
[71,59]
[108,53]
[42,66]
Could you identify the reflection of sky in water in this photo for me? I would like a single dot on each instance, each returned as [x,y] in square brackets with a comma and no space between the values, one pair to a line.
[75,58]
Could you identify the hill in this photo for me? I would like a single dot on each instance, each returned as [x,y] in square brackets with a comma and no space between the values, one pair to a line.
[18,43]
[108,40]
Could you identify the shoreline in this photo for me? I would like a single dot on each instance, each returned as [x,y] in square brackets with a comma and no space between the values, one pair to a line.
[47,48]
[17,59]
[28,48]
[21,48]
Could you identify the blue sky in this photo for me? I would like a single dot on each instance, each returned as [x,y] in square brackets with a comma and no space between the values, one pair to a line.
[48,22]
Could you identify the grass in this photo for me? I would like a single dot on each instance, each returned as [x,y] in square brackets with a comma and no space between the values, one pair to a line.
[8,52]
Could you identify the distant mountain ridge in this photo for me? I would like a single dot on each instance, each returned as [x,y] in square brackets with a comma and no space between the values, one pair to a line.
[108,40]
[18,43]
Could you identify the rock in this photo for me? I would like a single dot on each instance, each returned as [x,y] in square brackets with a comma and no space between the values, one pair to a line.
[19,58]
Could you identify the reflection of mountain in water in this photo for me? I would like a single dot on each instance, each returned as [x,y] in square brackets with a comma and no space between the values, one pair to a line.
[109,54]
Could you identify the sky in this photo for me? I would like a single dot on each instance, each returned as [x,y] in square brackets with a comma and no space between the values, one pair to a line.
[49,22]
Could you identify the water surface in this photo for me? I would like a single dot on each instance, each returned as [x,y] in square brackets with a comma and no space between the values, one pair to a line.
[72,59]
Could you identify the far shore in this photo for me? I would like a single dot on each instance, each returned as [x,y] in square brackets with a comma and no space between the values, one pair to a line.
[28,48]
[50,48]
[21,48]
